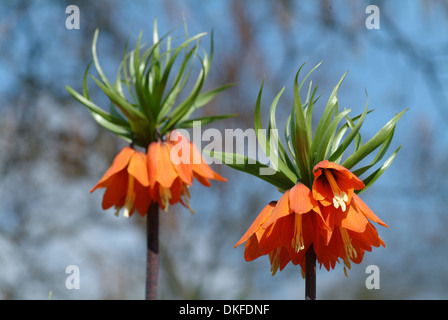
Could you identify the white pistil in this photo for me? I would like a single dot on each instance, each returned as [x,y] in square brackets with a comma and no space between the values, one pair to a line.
[340,198]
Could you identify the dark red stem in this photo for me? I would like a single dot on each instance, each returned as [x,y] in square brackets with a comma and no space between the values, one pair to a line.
[152,255]
[310,274]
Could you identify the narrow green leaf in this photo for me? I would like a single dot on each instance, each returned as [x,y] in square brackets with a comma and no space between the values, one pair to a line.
[302,140]
[338,138]
[328,137]
[183,107]
[382,151]
[273,126]
[289,143]
[94,108]
[95,60]
[337,154]
[373,143]
[206,97]
[375,175]
[325,120]
[253,167]
[176,87]
[266,145]
[128,110]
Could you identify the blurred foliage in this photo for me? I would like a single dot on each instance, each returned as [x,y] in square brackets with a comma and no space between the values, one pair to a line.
[52,153]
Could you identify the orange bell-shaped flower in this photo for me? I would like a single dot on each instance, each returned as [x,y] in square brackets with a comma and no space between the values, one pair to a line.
[172,164]
[284,229]
[350,231]
[189,156]
[126,183]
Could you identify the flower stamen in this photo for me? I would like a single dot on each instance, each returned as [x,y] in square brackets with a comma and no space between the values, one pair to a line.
[340,198]
[130,197]
[165,196]
[350,251]
[297,241]
[274,256]
[186,196]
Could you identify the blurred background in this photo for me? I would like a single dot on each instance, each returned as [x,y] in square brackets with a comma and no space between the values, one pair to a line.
[52,152]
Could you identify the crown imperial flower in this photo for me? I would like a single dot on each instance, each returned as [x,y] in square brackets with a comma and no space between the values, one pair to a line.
[320,216]
[145,115]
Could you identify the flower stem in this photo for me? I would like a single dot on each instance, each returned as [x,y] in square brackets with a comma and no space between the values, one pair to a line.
[152,253]
[310,274]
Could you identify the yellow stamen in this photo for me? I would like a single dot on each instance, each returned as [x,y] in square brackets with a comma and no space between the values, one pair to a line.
[339,197]
[186,196]
[130,197]
[350,251]
[165,196]
[297,239]
[274,256]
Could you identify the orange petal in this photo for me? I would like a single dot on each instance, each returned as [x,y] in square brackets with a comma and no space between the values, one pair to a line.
[176,191]
[366,210]
[367,239]
[152,155]
[322,191]
[300,199]
[281,209]
[321,165]
[202,180]
[116,191]
[351,219]
[278,234]
[185,172]
[160,167]
[284,258]
[357,184]
[138,168]
[120,162]
[142,198]
[200,167]
[258,222]
[252,251]
[181,145]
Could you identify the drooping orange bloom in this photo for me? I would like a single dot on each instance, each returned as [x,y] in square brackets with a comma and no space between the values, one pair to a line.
[331,217]
[136,179]
[284,230]
[171,171]
[334,184]
[347,245]
[279,256]
[200,169]
[167,181]
[126,182]
[350,232]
